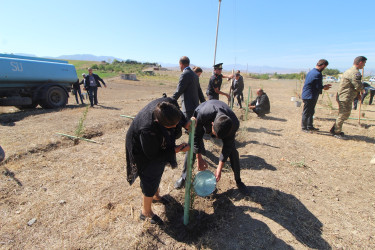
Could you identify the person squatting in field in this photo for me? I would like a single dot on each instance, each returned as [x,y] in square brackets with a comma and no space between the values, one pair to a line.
[261,105]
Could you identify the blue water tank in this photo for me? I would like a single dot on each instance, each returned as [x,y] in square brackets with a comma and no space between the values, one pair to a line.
[24,69]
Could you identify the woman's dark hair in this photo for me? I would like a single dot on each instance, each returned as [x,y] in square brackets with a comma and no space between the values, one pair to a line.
[222,126]
[167,114]
[197,69]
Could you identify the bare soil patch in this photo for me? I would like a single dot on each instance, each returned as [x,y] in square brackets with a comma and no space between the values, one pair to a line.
[307,190]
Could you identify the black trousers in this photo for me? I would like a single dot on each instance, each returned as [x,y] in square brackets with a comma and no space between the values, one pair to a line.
[239,98]
[93,95]
[372,93]
[234,159]
[77,92]
[308,113]
[259,111]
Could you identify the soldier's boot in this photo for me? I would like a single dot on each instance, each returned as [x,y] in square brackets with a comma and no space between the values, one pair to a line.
[332,131]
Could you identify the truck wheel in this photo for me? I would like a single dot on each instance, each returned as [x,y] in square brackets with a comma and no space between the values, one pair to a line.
[53,97]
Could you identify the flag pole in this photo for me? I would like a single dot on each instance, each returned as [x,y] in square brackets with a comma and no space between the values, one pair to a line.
[217,31]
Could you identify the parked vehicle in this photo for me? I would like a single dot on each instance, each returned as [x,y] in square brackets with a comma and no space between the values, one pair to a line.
[26,82]
[331,79]
[372,79]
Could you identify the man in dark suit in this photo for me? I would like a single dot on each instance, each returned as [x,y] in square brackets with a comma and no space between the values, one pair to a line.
[188,88]
[237,88]
[261,105]
[92,83]
[191,93]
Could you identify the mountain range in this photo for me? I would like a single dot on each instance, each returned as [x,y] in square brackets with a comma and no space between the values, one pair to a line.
[228,67]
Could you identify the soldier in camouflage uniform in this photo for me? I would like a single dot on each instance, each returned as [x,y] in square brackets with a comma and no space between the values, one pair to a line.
[350,87]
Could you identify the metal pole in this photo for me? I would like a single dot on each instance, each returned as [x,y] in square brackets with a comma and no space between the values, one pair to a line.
[217,31]
[188,173]
[247,104]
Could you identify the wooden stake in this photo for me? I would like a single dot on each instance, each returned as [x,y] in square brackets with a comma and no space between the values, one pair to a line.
[75,137]
[247,104]
[127,116]
[231,101]
[360,101]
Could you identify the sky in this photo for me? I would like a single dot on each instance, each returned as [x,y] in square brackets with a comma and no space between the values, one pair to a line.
[291,34]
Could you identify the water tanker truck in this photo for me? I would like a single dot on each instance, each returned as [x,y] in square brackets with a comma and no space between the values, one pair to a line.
[26,82]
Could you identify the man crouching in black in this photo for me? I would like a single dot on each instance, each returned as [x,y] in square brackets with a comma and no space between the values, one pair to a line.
[216,118]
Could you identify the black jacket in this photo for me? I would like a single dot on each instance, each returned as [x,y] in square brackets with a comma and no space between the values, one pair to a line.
[147,140]
[76,84]
[238,86]
[190,91]
[215,82]
[97,81]
[264,103]
[205,114]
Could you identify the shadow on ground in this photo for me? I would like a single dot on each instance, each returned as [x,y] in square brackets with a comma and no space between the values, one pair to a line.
[232,227]
[10,119]
[350,137]
[262,130]
[274,118]
[11,175]
[246,162]
[241,144]
[107,107]
[255,163]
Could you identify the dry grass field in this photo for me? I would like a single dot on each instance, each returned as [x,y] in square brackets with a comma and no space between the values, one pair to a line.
[308,191]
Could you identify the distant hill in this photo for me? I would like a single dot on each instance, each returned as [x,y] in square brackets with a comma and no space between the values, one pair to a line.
[261,69]
[79,57]
[174,66]
[89,57]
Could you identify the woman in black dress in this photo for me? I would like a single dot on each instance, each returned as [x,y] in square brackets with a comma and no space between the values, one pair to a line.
[150,145]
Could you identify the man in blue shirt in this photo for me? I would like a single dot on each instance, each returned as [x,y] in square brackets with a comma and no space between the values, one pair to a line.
[310,94]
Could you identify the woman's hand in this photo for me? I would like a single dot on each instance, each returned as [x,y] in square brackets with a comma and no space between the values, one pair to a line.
[187,125]
[218,174]
[202,164]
